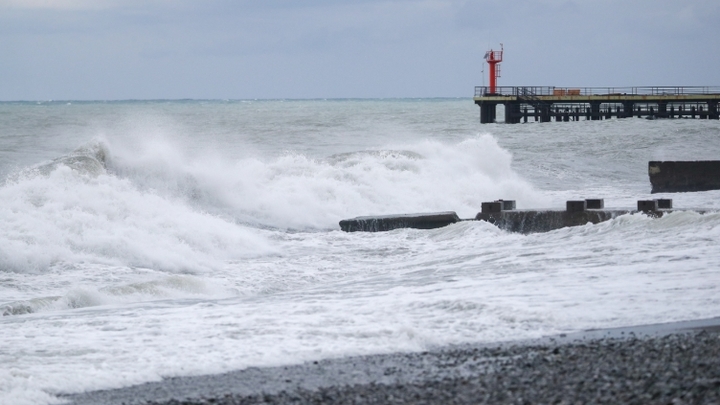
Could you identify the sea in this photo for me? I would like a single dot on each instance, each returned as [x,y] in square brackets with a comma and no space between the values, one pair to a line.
[141,240]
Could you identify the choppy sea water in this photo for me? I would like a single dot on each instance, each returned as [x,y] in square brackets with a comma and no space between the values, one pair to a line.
[149,239]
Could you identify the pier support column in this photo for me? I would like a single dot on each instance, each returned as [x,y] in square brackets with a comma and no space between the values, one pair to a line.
[487,113]
[545,113]
[512,113]
[713,110]
[662,109]
[627,110]
[595,111]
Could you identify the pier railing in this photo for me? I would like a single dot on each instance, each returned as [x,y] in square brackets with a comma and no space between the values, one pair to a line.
[521,91]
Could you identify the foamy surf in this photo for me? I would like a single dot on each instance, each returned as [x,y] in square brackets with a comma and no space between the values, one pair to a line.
[294,191]
[209,239]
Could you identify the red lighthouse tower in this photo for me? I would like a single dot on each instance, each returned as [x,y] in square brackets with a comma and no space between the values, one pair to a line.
[493,59]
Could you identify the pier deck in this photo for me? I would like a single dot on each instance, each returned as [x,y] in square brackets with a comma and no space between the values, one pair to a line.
[546,104]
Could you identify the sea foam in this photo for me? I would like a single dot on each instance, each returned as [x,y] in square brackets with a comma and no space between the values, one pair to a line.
[294,191]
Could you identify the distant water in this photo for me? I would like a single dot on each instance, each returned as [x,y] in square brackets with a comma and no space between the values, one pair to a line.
[150,239]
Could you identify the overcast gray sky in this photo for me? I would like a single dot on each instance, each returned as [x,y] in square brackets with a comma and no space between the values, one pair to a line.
[240,49]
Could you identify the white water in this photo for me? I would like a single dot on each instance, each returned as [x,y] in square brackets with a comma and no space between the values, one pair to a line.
[144,240]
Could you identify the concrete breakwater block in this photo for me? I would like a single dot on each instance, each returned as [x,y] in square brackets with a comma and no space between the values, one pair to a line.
[595,203]
[389,222]
[582,205]
[577,213]
[684,176]
[498,205]
[531,221]
[647,205]
[503,214]
[576,206]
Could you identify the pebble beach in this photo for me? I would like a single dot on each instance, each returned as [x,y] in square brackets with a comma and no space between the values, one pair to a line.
[657,364]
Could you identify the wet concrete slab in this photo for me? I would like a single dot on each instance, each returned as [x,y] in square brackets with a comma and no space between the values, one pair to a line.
[389,222]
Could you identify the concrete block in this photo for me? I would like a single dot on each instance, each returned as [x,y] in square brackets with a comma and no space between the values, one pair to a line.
[664,203]
[595,203]
[647,205]
[389,222]
[507,205]
[530,221]
[490,207]
[684,176]
[576,206]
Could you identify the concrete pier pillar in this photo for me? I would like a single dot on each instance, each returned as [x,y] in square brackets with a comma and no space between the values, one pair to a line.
[487,113]
[628,110]
[713,110]
[545,113]
[512,113]
[594,111]
[662,109]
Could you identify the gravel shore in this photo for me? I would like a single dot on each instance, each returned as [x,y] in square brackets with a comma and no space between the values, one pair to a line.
[656,364]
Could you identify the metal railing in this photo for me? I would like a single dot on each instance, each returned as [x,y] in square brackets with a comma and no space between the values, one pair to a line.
[520,91]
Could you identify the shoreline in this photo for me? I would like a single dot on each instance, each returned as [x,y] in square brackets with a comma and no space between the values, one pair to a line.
[676,362]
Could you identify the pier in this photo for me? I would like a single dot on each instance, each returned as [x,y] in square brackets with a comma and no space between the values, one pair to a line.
[563,104]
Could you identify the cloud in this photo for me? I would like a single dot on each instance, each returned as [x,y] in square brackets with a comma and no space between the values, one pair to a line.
[353,48]
[60,4]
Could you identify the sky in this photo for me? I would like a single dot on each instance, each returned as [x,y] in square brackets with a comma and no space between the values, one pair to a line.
[268,49]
